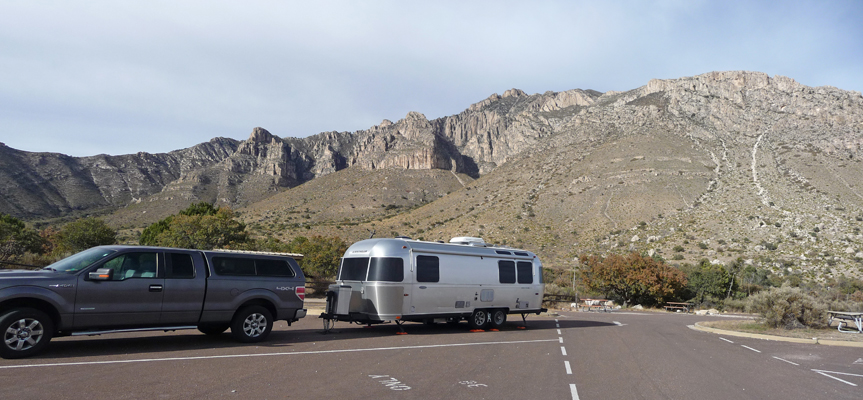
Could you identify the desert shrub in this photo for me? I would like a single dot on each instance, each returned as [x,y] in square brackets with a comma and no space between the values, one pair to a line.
[734,305]
[788,307]
[631,279]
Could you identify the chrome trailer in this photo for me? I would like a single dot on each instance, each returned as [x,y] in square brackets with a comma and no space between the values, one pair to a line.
[399,280]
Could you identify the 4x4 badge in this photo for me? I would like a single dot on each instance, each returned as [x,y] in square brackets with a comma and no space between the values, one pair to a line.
[65,285]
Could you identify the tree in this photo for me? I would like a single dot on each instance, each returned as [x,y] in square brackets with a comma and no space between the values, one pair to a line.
[83,234]
[151,232]
[321,255]
[197,231]
[706,279]
[632,278]
[16,238]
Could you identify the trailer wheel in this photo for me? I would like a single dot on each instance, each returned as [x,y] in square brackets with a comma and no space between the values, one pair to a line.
[479,319]
[498,318]
[252,324]
[26,331]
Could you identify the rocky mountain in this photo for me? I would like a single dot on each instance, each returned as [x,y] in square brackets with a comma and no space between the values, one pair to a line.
[724,165]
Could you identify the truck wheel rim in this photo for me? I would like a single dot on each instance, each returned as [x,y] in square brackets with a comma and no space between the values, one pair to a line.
[254,325]
[23,334]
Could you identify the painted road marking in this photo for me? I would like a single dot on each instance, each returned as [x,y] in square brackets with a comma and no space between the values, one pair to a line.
[792,363]
[561,339]
[838,373]
[574,391]
[618,323]
[557,325]
[859,361]
[722,338]
[757,351]
[558,331]
[555,320]
[568,368]
[430,346]
[563,350]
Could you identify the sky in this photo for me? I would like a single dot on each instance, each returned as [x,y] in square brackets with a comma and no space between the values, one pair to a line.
[119,77]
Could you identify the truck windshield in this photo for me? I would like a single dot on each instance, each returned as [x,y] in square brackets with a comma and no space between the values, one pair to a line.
[354,269]
[81,260]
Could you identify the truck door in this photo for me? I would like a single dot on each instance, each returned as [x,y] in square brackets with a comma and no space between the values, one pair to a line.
[132,297]
[185,284]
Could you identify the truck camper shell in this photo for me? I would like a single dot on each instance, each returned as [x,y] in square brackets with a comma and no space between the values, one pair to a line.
[399,279]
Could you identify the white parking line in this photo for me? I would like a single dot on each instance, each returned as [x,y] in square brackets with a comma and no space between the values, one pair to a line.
[722,338]
[792,363]
[568,368]
[558,331]
[818,371]
[561,339]
[430,346]
[757,351]
[574,391]
[563,350]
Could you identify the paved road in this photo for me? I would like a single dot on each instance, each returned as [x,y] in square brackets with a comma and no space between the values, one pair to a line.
[575,355]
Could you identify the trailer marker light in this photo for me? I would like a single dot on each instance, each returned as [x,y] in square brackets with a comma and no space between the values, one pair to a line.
[406,295]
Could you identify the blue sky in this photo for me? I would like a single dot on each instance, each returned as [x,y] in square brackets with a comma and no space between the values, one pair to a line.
[118,77]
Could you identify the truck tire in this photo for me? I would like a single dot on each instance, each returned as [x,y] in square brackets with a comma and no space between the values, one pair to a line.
[498,318]
[26,331]
[252,324]
[479,319]
[213,329]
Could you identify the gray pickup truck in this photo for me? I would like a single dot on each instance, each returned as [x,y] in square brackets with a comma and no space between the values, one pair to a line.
[110,289]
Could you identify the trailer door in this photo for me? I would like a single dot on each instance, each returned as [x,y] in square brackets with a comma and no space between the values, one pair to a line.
[424,296]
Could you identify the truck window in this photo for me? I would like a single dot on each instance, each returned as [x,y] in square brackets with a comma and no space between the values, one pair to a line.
[234,266]
[525,272]
[354,269]
[506,270]
[133,265]
[386,269]
[269,267]
[428,269]
[179,266]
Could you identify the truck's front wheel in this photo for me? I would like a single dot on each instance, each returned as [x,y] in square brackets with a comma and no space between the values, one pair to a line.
[26,331]
[252,324]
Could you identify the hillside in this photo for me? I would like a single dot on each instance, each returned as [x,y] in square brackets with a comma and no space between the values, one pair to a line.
[724,165]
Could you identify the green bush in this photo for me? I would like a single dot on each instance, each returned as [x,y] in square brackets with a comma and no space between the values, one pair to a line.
[789,308]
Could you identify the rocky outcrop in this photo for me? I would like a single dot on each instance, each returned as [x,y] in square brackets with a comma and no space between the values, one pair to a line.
[731,115]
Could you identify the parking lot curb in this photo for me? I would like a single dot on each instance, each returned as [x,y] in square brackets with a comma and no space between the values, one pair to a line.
[825,342]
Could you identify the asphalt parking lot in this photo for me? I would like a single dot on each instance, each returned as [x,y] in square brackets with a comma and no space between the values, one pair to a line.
[571,355]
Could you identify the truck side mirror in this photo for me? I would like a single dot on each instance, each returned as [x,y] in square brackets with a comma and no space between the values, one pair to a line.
[102,274]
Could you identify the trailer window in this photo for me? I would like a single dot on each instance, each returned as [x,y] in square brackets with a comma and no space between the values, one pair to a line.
[354,269]
[389,269]
[428,269]
[525,272]
[506,269]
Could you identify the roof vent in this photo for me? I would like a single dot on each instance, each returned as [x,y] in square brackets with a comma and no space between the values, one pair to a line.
[469,241]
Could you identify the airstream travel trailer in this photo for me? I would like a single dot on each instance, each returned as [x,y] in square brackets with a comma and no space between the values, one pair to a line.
[382,280]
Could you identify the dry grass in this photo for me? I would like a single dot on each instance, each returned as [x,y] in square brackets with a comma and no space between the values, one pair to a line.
[750,326]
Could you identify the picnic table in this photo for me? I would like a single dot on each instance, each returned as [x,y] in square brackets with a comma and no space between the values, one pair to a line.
[674,306]
[844,317]
[597,304]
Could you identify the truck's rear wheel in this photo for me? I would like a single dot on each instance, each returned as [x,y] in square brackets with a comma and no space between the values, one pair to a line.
[252,324]
[479,319]
[26,331]
[498,318]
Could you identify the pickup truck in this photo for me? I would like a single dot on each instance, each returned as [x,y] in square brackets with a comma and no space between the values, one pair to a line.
[110,289]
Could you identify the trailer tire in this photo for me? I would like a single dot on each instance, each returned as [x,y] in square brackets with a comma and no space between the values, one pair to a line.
[479,319]
[252,324]
[498,318]
[26,331]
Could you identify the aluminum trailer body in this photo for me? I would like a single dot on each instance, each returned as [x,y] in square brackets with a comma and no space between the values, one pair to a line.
[382,280]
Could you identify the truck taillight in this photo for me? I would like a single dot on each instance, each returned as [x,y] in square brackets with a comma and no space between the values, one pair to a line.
[301,292]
